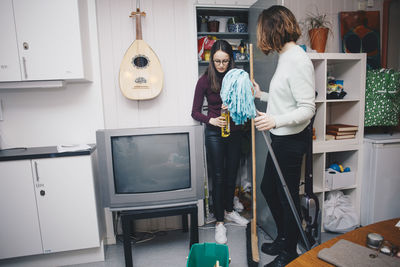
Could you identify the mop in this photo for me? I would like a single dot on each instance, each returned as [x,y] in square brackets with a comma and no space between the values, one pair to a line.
[238,96]
[235,94]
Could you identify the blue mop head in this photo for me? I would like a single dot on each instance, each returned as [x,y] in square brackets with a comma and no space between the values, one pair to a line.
[236,94]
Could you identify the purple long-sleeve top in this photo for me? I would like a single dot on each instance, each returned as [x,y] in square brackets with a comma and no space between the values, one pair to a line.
[214,101]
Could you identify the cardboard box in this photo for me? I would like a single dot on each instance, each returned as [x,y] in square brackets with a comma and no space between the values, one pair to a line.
[336,180]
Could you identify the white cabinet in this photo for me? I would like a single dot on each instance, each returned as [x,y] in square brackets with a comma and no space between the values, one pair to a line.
[351,68]
[49,206]
[380,198]
[19,228]
[66,203]
[45,40]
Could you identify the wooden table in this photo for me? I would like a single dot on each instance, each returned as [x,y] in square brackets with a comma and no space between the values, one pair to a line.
[359,236]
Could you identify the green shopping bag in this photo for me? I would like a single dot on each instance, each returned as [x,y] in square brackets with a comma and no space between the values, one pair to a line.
[382,98]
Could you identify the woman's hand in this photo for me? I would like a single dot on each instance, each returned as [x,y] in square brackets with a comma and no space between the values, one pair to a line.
[257,90]
[219,121]
[264,122]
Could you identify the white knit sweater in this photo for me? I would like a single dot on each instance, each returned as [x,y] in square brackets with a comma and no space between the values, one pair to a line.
[291,97]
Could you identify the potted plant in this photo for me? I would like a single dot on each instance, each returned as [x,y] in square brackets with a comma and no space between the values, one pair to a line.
[318,27]
[236,24]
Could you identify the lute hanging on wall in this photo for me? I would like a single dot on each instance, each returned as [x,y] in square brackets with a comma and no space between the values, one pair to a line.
[140,73]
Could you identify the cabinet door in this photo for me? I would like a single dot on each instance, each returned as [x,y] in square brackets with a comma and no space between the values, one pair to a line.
[66,203]
[9,60]
[19,227]
[49,39]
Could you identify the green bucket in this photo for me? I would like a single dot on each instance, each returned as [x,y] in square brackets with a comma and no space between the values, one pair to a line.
[207,254]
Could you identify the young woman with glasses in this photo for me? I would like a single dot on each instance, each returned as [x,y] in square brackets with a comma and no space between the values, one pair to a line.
[291,105]
[223,153]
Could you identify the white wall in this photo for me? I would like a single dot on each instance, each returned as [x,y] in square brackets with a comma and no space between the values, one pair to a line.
[47,117]
[169,29]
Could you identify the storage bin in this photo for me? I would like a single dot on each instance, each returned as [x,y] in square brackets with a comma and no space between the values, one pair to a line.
[335,180]
[207,254]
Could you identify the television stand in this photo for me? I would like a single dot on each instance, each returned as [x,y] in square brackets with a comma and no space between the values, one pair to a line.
[127,216]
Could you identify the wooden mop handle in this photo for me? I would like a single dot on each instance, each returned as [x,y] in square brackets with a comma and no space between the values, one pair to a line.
[254,237]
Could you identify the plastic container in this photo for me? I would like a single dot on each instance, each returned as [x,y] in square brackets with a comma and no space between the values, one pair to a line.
[207,55]
[207,254]
[335,180]
[226,130]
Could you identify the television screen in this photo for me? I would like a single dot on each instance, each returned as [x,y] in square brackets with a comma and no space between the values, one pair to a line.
[151,163]
[155,167]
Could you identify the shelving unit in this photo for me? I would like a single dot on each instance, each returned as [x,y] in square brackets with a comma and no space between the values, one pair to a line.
[242,13]
[231,37]
[351,68]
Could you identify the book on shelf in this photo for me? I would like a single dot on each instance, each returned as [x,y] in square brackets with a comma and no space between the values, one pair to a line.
[340,133]
[341,127]
[339,137]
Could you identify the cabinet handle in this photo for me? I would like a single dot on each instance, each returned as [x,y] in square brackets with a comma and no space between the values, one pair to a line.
[37,172]
[24,64]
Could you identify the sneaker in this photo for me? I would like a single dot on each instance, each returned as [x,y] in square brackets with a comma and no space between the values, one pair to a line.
[275,247]
[237,205]
[233,216]
[220,233]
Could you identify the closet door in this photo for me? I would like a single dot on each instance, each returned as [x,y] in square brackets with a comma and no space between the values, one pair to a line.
[264,68]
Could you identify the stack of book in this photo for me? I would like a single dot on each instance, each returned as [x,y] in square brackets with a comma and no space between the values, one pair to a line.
[340,131]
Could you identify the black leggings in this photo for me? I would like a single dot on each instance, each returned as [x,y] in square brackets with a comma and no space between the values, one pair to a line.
[289,151]
[224,156]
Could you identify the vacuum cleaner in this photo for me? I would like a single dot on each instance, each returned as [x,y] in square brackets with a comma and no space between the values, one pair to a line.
[309,203]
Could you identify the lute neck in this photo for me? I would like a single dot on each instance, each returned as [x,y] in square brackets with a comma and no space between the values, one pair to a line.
[138,16]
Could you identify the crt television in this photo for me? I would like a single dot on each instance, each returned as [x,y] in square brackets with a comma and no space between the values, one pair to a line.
[151,167]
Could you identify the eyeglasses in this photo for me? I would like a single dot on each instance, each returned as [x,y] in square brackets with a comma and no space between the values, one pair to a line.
[224,62]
